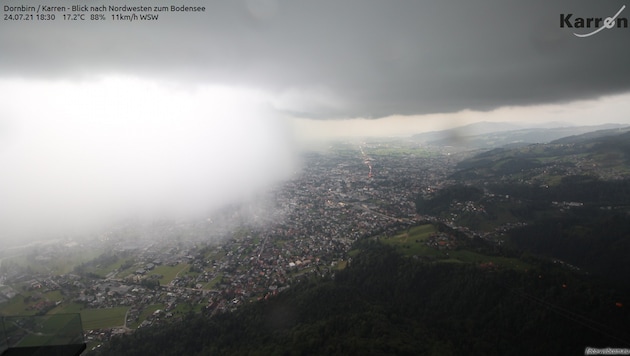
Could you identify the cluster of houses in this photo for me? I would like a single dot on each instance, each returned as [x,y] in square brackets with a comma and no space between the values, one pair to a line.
[442,241]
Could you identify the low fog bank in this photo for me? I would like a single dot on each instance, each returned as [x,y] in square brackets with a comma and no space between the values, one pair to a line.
[230,220]
[88,156]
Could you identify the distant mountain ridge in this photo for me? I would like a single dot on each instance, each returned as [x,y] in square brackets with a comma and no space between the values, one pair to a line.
[593,135]
[602,153]
[491,135]
[478,128]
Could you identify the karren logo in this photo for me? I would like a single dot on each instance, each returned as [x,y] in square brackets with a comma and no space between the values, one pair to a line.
[590,22]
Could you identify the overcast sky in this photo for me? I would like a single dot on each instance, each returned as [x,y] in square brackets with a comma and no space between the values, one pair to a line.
[334,59]
[100,115]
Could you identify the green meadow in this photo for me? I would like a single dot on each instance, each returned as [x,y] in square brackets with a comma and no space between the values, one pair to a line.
[413,243]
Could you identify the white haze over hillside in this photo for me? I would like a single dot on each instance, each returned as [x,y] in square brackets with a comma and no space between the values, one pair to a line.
[84,156]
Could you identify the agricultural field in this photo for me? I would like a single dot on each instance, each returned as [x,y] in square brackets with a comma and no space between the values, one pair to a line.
[29,302]
[44,330]
[341,265]
[169,273]
[103,318]
[103,271]
[413,242]
[17,306]
[94,318]
[64,308]
[62,264]
[213,282]
[467,256]
[185,308]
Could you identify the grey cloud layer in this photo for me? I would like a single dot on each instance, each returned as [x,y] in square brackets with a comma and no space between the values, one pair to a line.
[347,58]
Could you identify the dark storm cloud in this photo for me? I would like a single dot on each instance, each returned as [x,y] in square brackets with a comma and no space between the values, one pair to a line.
[346,58]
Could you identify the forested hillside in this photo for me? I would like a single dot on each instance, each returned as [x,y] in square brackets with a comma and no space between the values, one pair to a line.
[568,200]
[384,303]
